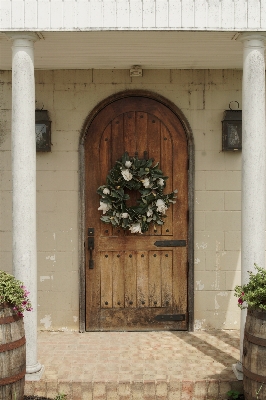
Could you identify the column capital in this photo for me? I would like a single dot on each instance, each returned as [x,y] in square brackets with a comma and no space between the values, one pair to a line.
[23,36]
[253,39]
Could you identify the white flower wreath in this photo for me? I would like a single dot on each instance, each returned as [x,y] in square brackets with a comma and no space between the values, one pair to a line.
[134,174]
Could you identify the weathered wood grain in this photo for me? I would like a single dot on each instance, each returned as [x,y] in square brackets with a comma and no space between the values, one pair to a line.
[12,355]
[254,356]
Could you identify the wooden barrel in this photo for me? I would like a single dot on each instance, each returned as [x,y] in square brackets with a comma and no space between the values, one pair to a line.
[254,356]
[12,355]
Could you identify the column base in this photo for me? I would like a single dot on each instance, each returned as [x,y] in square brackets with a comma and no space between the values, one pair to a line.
[238,370]
[30,369]
[35,376]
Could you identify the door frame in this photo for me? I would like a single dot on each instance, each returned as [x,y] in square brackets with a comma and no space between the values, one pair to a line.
[191,186]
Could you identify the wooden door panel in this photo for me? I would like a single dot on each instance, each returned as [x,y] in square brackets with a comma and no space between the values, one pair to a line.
[142,279]
[105,165]
[167,168]
[155,279]
[130,131]
[167,278]
[130,276]
[118,280]
[133,280]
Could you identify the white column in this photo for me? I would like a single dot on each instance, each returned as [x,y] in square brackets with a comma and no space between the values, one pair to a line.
[24,182]
[253,161]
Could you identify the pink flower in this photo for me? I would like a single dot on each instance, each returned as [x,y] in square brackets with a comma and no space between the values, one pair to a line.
[240,300]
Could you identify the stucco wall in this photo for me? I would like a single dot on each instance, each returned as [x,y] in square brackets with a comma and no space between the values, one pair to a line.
[69,96]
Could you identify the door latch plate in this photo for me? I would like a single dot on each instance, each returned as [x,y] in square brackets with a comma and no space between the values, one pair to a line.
[170,243]
[171,317]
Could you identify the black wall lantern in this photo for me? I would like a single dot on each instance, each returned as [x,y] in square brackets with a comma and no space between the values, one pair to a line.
[232,129]
[42,130]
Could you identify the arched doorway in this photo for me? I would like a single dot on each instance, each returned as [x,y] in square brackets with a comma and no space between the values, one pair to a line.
[134,284]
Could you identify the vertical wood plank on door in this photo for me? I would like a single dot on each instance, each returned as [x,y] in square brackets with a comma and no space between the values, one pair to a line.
[141,133]
[117,138]
[118,279]
[142,279]
[130,279]
[105,165]
[180,163]
[154,132]
[140,128]
[117,152]
[180,279]
[106,279]
[93,293]
[167,168]
[129,132]
[154,139]
[155,280]
[167,277]
[93,288]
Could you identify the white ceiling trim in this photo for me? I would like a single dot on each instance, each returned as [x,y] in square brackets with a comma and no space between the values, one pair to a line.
[121,50]
[133,14]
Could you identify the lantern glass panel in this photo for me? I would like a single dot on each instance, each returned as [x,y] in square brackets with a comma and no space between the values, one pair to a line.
[42,131]
[232,130]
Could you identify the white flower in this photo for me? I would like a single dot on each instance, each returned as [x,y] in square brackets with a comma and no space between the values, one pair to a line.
[160,181]
[128,164]
[146,182]
[106,191]
[161,207]
[135,228]
[104,207]
[149,212]
[126,174]
[124,215]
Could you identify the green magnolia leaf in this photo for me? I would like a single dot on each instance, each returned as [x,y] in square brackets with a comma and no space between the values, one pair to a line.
[105,219]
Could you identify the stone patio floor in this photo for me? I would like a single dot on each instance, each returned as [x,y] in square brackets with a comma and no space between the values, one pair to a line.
[137,365]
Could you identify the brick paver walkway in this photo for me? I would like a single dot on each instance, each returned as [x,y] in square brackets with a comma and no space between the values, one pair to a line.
[137,365]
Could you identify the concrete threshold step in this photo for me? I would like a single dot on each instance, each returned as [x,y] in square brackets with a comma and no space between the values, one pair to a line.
[134,390]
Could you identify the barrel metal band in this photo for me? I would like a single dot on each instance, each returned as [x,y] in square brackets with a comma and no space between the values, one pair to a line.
[12,345]
[256,340]
[10,319]
[254,377]
[11,379]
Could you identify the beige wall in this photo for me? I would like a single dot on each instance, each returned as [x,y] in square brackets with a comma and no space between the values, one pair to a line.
[69,96]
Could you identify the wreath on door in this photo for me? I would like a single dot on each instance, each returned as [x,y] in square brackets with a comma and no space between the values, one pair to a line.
[135,174]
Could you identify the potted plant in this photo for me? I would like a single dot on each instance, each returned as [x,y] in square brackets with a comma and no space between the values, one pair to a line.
[253,297]
[14,301]
[253,294]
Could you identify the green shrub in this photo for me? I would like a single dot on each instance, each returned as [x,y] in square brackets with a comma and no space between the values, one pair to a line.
[253,294]
[14,293]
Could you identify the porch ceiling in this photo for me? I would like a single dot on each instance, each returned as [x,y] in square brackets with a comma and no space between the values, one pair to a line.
[122,49]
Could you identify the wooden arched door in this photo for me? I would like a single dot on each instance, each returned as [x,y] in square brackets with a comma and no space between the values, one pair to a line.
[134,284]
